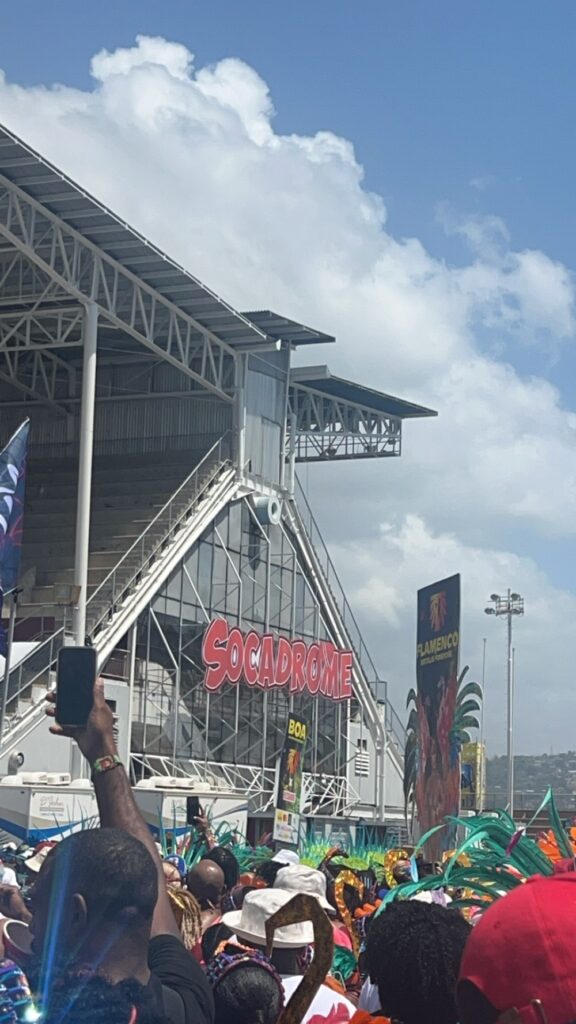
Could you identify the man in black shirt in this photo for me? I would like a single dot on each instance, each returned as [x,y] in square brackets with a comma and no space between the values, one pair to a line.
[101,897]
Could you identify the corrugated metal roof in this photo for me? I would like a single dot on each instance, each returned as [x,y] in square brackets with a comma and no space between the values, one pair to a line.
[59,194]
[291,331]
[320,379]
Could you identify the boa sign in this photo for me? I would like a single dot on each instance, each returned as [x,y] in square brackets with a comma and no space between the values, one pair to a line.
[231,656]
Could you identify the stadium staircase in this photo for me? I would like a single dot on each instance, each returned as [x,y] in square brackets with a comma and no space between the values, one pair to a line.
[145,514]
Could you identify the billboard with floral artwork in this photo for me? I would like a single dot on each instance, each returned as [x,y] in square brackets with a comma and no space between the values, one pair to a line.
[437,776]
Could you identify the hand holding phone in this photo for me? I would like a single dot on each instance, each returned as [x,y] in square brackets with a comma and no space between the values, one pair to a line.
[95,739]
[193,810]
[75,680]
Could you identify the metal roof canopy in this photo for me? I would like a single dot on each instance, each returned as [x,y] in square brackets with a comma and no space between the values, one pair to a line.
[288,330]
[60,248]
[65,247]
[42,181]
[319,379]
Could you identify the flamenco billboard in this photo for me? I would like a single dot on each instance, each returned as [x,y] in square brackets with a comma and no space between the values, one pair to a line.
[437,782]
[265,661]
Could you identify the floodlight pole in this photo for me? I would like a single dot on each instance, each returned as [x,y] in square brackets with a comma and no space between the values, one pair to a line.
[511,604]
[510,717]
[482,789]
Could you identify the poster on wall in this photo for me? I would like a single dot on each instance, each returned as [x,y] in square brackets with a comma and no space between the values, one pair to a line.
[437,781]
[472,777]
[289,785]
[286,828]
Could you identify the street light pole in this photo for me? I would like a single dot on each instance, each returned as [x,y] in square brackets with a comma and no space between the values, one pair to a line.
[482,786]
[510,734]
[509,605]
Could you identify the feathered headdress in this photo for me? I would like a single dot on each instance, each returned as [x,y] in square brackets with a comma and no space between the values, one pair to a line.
[494,857]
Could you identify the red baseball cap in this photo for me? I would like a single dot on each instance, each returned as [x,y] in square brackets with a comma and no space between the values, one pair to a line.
[522,952]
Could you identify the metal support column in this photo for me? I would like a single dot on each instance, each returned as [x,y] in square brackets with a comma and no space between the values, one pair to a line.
[90,338]
[290,478]
[240,411]
[132,645]
[87,410]
[382,794]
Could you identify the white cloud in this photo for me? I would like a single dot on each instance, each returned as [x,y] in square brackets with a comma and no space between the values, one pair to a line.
[406,555]
[191,158]
[526,291]
[482,182]
[148,52]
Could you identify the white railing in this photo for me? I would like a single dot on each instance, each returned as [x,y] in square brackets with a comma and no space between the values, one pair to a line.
[329,794]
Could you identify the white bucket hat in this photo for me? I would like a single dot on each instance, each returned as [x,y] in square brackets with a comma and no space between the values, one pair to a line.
[250,922]
[299,878]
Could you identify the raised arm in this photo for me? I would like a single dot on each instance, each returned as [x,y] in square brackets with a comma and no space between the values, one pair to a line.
[116,804]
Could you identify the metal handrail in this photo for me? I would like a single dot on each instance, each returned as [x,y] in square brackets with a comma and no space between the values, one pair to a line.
[33,617]
[110,594]
[135,561]
[44,655]
[249,780]
[394,725]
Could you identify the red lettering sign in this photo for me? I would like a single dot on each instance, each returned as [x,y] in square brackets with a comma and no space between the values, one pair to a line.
[263,661]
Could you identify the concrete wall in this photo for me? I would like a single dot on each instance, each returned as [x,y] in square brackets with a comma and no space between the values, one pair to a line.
[43,752]
[364,784]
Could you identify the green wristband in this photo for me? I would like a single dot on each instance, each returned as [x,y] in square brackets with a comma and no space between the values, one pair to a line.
[105,764]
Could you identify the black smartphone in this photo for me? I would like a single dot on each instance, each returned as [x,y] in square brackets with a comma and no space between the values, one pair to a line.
[192,810]
[75,680]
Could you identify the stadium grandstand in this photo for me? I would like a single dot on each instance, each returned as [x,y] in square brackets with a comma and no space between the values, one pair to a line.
[162,497]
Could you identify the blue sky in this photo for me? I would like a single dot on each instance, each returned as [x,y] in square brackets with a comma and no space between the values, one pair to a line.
[461,115]
[469,103]
[434,95]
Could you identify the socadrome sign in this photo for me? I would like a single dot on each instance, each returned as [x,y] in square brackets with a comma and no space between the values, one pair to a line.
[231,656]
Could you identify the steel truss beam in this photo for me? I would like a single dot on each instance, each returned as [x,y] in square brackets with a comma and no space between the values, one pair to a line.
[27,361]
[85,272]
[38,375]
[330,428]
[40,329]
[23,284]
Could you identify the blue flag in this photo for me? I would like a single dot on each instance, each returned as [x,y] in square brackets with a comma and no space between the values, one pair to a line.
[12,483]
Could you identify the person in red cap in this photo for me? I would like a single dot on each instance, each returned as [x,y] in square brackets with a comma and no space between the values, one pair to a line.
[519,965]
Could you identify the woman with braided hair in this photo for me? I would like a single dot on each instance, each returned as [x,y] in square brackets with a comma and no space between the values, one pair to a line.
[186,910]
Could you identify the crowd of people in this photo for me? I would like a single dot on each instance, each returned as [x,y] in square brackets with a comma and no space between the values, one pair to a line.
[116,933]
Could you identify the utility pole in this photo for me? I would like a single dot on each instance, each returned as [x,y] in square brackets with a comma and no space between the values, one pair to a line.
[482,759]
[508,605]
